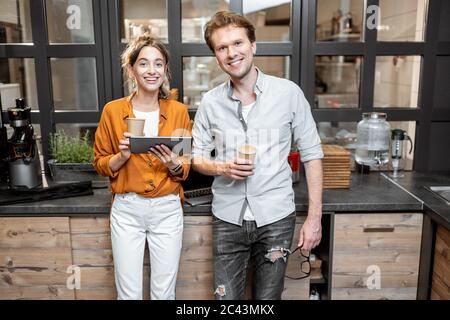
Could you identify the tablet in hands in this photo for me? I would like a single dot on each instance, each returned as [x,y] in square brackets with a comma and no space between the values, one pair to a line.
[179,145]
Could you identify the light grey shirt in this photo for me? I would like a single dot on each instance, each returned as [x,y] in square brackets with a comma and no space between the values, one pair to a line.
[281,112]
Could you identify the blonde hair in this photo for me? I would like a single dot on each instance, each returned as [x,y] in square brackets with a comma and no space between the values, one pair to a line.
[132,51]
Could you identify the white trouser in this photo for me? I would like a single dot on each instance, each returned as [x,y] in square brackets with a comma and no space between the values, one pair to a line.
[160,221]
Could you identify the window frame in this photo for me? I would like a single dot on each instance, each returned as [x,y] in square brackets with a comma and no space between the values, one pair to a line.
[301,49]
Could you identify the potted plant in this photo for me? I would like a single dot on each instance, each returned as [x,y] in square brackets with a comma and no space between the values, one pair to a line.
[72,158]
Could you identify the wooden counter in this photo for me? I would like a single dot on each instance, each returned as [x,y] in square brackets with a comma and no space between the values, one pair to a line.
[39,256]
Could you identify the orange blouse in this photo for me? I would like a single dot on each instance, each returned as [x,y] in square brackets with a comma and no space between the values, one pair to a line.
[143,174]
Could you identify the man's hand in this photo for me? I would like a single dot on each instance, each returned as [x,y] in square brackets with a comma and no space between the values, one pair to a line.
[239,169]
[310,233]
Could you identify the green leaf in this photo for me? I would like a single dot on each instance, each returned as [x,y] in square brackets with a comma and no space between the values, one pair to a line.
[71,149]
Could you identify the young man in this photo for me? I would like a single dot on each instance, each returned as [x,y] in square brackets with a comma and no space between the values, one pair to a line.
[253,206]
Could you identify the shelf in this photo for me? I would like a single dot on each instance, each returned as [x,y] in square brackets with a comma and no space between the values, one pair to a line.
[318,281]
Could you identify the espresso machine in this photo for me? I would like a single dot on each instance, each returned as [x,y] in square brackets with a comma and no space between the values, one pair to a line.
[23,156]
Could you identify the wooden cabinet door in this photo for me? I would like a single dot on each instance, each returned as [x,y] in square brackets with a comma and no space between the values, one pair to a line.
[376,256]
[35,258]
[440,289]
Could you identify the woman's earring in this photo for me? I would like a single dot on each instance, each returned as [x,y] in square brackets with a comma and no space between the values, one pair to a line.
[133,83]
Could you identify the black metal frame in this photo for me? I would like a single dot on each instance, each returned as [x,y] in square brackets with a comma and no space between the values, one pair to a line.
[179,50]
[41,51]
[426,257]
[302,51]
[369,49]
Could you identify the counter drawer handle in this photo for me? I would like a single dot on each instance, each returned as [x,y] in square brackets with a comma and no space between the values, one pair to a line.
[382,229]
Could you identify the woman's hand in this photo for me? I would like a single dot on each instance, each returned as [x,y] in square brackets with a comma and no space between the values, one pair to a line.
[124,146]
[166,156]
[119,159]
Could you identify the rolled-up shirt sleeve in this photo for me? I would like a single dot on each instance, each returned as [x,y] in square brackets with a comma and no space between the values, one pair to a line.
[103,147]
[203,141]
[305,133]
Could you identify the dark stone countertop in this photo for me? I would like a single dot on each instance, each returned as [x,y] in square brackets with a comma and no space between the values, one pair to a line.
[371,192]
[437,208]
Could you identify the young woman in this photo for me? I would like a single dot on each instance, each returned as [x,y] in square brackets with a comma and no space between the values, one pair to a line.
[146,187]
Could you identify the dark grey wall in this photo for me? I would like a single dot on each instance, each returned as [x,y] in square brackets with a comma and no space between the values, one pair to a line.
[439,157]
[444,26]
[442,83]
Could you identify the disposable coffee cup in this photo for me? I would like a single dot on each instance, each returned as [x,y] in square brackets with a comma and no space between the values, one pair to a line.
[247,152]
[136,126]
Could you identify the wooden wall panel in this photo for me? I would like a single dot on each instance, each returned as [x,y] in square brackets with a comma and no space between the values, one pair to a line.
[35,255]
[92,252]
[195,276]
[34,232]
[36,252]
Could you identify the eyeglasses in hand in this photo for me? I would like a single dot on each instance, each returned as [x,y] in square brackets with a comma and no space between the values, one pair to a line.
[299,265]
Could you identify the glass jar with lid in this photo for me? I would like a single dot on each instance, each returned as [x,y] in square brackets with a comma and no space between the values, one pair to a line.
[373,137]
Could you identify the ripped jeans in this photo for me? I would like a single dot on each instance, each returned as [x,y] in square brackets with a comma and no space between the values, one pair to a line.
[266,248]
